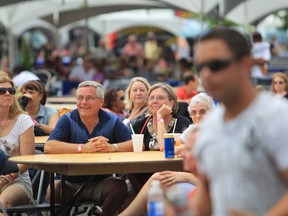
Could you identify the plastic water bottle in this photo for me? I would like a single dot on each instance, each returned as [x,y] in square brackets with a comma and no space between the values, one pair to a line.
[178,197]
[155,199]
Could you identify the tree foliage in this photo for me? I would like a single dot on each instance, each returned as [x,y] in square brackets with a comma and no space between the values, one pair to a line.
[26,57]
[283,15]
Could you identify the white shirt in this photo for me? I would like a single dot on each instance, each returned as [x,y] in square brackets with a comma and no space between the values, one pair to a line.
[11,145]
[78,73]
[243,158]
[260,50]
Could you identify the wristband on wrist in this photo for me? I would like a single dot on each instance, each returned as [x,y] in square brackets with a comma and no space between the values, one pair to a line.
[160,120]
[36,124]
[80,148]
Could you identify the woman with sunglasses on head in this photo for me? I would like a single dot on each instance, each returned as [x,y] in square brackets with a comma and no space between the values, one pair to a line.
[16,138]
[279,85]
[114,102]
[136,100]
[33,101]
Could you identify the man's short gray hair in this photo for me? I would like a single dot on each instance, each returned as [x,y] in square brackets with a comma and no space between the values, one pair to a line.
[98,86]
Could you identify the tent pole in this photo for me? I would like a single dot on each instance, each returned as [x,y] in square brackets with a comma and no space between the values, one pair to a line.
[246,16]
[11,48]
[221,11]
[86,28]
[202,17]
[56,20]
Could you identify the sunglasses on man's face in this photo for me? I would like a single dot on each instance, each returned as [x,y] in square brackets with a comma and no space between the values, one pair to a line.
[215,65]
[11,91]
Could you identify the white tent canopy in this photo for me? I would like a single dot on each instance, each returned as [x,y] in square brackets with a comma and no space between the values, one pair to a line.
[13,12]
[51,10]
[113,22]
[251,12]
[63,12]
[59,13]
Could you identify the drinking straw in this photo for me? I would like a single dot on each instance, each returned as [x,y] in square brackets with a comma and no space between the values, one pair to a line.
[174,125]
[132,128]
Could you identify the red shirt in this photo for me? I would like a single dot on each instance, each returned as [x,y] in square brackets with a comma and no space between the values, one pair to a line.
[182,94]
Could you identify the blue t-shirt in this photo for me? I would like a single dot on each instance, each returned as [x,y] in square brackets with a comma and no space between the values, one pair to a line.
[44,114]
[71,129]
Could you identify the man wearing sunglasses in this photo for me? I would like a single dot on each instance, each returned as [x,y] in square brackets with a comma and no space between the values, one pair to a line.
[242,146]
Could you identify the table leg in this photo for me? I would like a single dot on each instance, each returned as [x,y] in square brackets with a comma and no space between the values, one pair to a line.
[63,192]
[52,194]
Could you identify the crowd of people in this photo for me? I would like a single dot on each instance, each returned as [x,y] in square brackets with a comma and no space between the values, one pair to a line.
[234,156]
[153,59]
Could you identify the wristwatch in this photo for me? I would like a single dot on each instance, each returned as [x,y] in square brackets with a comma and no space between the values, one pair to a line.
[115,147]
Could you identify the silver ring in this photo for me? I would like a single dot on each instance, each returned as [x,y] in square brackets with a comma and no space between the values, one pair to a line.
[3,180]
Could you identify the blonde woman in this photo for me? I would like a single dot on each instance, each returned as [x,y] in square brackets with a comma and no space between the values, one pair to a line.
[136,100]
[279,85]
[16,138]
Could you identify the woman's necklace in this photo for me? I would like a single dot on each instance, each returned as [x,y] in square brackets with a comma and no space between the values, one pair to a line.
[137,113]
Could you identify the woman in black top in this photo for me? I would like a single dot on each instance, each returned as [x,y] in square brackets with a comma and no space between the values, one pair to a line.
[163,105]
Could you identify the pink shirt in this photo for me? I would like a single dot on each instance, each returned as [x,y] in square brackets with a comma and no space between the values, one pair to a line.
[135,49]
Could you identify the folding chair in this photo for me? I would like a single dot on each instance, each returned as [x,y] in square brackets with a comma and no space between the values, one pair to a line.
[40,182]
[86,209]
[83,207]
[45,76]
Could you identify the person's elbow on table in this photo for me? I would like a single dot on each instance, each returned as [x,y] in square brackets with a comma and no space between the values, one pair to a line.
[49,147]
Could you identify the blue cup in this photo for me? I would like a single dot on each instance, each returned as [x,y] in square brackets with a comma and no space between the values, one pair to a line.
[169,145]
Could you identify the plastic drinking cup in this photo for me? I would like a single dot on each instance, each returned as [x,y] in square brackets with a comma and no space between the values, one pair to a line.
[137,140]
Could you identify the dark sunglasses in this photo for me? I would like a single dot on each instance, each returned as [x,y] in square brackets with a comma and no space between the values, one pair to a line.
[214,65]
[122,98]
[11,91]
